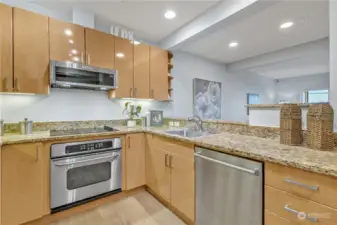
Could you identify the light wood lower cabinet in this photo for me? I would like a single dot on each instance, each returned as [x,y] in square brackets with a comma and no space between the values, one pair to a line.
[157,170]
[170,173]
[135,160]
[23,183]
[6,50]
[31,52]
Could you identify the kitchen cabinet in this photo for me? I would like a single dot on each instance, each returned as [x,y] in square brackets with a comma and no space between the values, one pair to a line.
[135,161]
[170,173]
[6,50]
[124,66]
[100,49]
[181,162]
[23,183]
[272,219]
[31,52]
[142,71]
[158,74]
[66,41]
[157,170]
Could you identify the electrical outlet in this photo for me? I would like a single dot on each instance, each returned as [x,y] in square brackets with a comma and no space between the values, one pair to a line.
[177,124]
[171,123]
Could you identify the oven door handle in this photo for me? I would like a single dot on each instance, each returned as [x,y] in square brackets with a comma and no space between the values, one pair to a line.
[113,157]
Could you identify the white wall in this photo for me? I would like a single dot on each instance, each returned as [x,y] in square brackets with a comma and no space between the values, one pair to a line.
[234,86]
[333,57]
[70,105]
[290,89]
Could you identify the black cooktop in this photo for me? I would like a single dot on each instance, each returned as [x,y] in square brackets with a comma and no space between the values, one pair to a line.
[82,131]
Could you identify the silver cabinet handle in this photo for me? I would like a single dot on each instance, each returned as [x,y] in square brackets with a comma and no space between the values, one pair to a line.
[136,92]
[88,59]
[6,84]
[166,156]
[170,161]
[129,141]
[131,89]
[82,57]
[37,153]
[314,188]
[152,93]
[88,160]
[16,85]
[287,208]
[255,171]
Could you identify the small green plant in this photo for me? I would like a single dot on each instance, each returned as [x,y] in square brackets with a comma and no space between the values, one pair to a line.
[132,110]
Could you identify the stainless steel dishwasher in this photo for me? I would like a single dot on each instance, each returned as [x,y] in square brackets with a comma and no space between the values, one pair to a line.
[229,189]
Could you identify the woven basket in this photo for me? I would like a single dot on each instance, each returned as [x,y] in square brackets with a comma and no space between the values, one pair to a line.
[320,127]
[291,124]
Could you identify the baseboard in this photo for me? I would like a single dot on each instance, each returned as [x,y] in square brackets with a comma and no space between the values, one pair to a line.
[168,205]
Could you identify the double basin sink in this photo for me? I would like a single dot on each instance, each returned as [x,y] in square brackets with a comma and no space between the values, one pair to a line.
[187,133]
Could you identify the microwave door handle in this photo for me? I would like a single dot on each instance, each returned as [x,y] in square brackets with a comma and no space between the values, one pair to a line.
[112,158]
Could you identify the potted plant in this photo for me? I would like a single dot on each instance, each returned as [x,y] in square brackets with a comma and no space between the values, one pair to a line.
[132,111]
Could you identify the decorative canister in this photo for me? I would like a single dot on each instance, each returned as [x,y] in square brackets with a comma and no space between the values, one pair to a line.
[320,127]
[290,124]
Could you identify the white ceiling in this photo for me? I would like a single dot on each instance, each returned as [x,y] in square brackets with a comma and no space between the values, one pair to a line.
[144,17]
[260,33]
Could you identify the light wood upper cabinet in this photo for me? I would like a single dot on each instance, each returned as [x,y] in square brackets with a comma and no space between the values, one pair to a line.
[157,170]
[142,71]
[158,74]
[23,185]
[124,66]
[66,41]
[100,49]
[31,52]
[135,160]
[6,50]
[182,179]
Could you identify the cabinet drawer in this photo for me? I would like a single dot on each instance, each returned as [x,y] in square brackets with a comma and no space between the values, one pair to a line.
[173,146]
[288,206]
[273,219]
[316,187]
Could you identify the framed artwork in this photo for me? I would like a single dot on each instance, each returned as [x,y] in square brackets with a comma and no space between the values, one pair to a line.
[207,99]
[156,118]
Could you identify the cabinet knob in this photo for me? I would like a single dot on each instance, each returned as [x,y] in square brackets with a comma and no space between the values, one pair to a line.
[6,84]
[129,141]
[166,157]
[131,89]
[152,93]
[37,152]
[136,92]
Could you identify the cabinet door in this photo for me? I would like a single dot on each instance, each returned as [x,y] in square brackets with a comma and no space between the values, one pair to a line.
[22,183]
[158,73]
[6,51]
[182,180]
[142,71]
[135,161]
[31,52]
[66,41]
[157,171]
[100,49]
[124,66]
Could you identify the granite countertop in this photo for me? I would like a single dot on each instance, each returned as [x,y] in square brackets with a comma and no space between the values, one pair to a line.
[261,149]
[264,106]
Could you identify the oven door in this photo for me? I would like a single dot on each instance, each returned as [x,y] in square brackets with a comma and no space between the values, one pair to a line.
[81,177]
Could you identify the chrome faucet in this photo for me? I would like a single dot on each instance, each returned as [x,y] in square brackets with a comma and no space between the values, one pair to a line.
[198,121]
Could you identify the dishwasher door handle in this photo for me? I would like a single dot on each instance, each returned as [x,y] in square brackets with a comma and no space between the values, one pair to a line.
[255,171]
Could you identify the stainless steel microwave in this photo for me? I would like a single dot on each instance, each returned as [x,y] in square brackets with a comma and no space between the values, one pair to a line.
[79,76]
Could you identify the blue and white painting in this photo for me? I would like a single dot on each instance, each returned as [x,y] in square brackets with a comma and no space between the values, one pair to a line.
[207,99]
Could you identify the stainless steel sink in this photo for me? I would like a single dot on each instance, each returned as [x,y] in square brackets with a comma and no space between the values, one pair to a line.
[187,133]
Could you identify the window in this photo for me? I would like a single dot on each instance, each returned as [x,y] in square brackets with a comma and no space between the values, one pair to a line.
[252,99]
[315,96]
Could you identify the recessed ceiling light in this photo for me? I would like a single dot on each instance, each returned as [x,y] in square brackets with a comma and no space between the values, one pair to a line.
[286,25]
[170,14]
[120,55]
[71,41]
[68,32]
[233,44]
